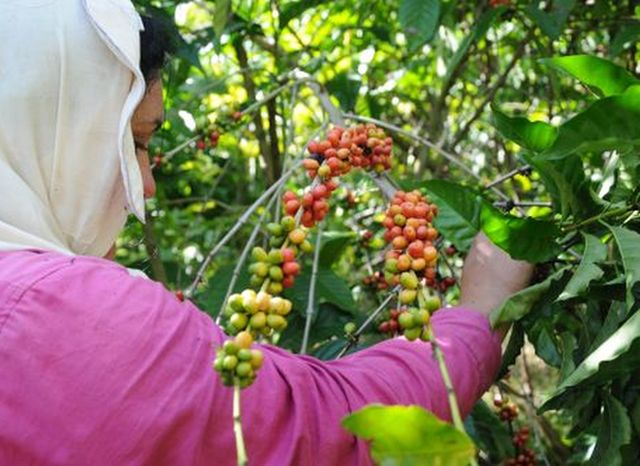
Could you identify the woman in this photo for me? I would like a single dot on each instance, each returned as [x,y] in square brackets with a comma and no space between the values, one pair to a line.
[100,367]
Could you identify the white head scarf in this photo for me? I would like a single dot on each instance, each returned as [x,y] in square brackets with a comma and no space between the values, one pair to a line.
[69,84]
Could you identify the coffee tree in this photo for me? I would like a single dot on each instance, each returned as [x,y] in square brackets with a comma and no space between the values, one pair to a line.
[515,118]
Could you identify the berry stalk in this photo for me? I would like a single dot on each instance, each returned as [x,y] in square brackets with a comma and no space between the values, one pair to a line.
[237,427]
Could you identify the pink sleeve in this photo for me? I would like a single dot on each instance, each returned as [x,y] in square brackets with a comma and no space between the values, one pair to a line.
[310,397]
[128,368]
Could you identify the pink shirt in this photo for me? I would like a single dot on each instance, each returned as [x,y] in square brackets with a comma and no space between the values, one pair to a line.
[100,368]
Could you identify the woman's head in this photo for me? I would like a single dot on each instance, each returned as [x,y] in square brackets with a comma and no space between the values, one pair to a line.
[155,46]
[69,173]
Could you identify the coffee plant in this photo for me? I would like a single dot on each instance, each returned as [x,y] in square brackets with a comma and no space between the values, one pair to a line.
[325,166]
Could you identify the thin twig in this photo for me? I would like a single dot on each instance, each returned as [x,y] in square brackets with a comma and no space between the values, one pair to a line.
[243,256]
[518,171]
[460,135]
[312,292]
[354,338]
[508,205]
[447,155]
[241,221]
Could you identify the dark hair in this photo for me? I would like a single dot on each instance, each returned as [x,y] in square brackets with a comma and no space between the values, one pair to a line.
[156,43]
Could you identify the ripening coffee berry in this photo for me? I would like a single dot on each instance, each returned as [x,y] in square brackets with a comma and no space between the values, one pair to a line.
[406,320]
[275,229]
[259,254]
[297,236]
[412,334]
[409,280]
[275,256]
[433,303]
[350,328]
[239,321]
[408,296]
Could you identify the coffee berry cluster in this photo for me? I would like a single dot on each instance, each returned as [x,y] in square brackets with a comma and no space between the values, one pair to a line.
[524,456]
[250,314]
[236,362]
[411,235]
[257,313]
[314,203]
[277,268]
[209,139]
[376,281]
[411,259]
[363,146]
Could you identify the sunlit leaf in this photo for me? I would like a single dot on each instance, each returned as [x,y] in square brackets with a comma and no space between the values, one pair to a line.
[410,436]
[608,124]
[526,239]
[533,135]
[459,208]
[602,76]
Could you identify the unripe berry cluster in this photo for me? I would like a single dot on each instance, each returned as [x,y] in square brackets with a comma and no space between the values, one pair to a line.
[279,266]
[236,362]
[256,313]
[364,146]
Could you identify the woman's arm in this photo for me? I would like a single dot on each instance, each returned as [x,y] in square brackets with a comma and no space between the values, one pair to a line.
[123,369]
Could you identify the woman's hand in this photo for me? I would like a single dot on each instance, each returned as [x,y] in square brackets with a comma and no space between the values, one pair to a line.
[490,276]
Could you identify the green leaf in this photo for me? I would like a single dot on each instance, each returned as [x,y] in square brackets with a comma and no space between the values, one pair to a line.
[615,431]
[419,20]
[211,301]
[459,208]
[489,432]
[569,344]
[608,124]
[512,351]
[520,304]
[410,436]
[221,11]
[533,135]
[463,213]
[345,88]
[601,76]
[628,242]
[628,34]
[329,322]
[522,238]
[329,288]
[294,9]
[567,185]
[333,245]
[615,346]
[587,271]
[551,22]
[480,28]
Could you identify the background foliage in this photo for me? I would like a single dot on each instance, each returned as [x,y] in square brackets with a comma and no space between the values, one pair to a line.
[539,98]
